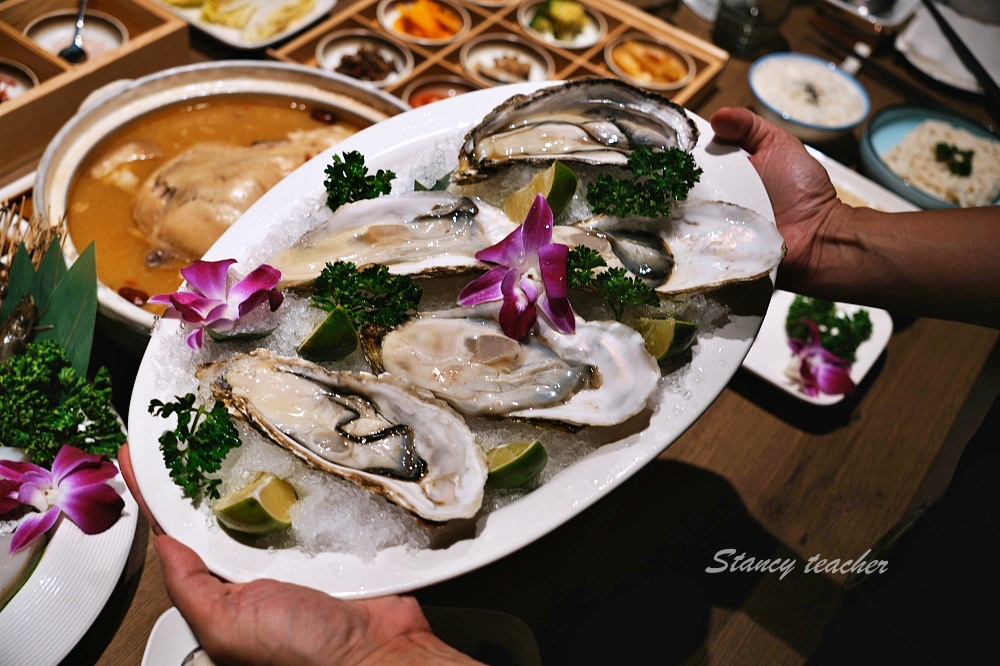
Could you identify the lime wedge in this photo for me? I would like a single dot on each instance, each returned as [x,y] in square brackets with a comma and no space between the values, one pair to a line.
[665,338]
[260,507]
[556,183]
[333,339]
[514,465]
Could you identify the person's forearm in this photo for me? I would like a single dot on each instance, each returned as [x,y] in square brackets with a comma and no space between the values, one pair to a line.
[943,264]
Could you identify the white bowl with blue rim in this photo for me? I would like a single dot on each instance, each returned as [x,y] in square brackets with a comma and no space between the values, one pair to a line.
[890,126]
[809,96]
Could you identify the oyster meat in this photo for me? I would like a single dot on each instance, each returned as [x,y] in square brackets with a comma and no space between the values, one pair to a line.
[596,121]
[372,430]
[599,375]
[420,233]
[703,245]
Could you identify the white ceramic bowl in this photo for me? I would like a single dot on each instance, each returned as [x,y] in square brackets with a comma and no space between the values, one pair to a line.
[118,104]
[808,96]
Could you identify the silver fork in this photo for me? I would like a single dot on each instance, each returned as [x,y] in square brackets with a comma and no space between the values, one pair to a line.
[74,53]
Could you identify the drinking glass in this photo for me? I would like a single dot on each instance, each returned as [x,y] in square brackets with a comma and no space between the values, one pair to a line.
[748,28]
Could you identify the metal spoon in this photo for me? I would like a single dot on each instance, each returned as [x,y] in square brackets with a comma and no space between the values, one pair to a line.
[74,53]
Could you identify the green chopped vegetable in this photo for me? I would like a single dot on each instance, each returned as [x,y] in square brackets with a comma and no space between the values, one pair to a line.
[840,334]
[198,445]
[44,404]
[959,161]
[371,295]
[659,178]
[614,285]
[348,180]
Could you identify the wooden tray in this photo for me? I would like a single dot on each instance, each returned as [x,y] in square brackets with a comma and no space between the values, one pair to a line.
[28,122]
[444,60]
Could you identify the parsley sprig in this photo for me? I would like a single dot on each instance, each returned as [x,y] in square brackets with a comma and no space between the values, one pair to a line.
[658,179]
[840,334]
[959,162]
[614,285]
[348,180]
[371,295]
[198,445]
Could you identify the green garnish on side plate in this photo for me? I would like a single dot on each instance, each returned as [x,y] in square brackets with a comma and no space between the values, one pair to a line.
[840,334]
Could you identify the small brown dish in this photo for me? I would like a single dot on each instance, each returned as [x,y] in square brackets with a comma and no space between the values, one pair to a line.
[426,22]
[102,33]
[648,62]
[500,58]
[365,56]
[431,89]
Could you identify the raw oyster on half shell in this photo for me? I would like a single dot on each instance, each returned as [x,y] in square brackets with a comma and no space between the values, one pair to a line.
[375,431]
[417,233]
[599,375]
[703,245]
[595,121]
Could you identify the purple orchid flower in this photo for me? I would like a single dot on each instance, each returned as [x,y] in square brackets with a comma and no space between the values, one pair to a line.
[818,369]
[75,486]
[529,275]
[213,304]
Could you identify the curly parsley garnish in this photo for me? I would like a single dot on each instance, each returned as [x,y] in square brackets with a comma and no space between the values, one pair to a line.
[659,177]
[198,445]
[44,404]
[348,180]
[371,296]
[840,334]
[614,285]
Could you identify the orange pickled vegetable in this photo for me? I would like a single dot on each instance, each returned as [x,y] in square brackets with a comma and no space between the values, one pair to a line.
[427,19]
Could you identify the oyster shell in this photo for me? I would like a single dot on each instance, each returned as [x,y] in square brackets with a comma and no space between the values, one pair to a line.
[372,430]
[703,245]
[599,375]
[596,121]
[425,233]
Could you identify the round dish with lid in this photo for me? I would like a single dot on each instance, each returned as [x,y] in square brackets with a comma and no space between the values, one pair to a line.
[810,97]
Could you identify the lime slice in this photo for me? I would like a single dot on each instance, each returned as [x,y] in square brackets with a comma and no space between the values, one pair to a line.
[260,507]
[514,465]
[556,183]
[665,338]
[333,339]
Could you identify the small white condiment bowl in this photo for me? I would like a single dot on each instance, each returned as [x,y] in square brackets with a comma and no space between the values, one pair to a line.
[334,47]
[684,57]
[485,49]
[808,96]
[595,30]
[102,33]
[389,10]
[120,103]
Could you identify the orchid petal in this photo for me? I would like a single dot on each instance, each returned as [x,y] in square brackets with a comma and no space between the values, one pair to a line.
[70,458]
[537,227]
[559,312]
[552,262]
[835,379]
[31,527]
[259,281]
[518,312]
[196,338]
[94,508]
[484,288]
[209,278]
[15,470]
[508,252]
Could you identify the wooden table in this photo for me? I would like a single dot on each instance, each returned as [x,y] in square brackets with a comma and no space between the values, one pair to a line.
[760,473]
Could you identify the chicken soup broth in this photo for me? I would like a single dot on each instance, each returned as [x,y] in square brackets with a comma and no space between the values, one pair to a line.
[154,195]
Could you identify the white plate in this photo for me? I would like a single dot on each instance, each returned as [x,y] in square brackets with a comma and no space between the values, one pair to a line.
[770,355]
[234,36]
[856,190]
[67,590]
[925,46]
[414,137]
[169,641]
[704,9]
